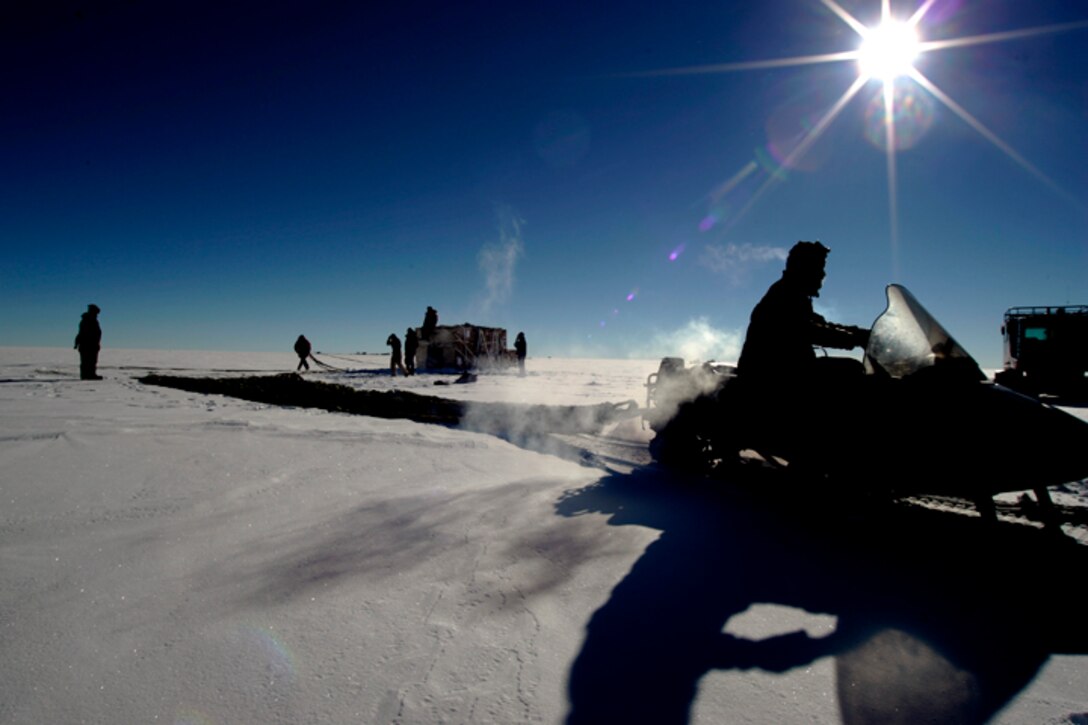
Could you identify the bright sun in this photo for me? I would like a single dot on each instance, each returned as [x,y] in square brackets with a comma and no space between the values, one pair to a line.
[888,51]
[886,54]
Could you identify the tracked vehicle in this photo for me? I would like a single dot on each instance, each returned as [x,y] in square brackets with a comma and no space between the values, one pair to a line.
[1046,350]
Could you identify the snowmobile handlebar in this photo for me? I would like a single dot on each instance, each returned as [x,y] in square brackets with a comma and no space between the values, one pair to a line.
[843,337]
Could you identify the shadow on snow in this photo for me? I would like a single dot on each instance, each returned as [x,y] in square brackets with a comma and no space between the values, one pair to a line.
[940,618]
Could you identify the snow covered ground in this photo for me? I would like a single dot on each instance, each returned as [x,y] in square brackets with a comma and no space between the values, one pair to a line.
[173,557]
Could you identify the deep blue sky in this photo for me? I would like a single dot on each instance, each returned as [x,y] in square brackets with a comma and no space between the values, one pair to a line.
[229,175]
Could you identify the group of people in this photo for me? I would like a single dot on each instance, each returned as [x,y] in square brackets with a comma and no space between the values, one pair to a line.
[411,344]
[407,363]
[89,342]
[778,347]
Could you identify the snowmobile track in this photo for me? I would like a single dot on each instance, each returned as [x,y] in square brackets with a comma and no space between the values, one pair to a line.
[756,476]
[1074,519]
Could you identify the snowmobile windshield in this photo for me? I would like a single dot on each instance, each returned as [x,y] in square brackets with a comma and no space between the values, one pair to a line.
[906,339]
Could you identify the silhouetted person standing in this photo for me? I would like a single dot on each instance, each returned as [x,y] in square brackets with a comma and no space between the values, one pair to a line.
[89,342]
[521,348]
[430,322]
[411,344]
[394,359]
[304,350]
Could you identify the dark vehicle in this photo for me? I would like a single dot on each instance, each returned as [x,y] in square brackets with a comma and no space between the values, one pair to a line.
[922,420]
[462,347]
[1046,350]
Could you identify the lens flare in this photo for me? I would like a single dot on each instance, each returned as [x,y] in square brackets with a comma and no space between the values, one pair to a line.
[675,253]
[912,116]
[896,118]
[276,656]
[768,159]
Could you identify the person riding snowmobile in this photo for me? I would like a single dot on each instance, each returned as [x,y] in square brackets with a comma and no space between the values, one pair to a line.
[782,381]
[784,328]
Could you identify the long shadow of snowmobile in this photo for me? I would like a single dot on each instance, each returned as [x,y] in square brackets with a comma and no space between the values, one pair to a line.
[939,619]
[922,420]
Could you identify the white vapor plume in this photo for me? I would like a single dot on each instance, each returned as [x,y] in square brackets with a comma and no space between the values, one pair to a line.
[498,261]
[734,260]
[534,426]
[699,340]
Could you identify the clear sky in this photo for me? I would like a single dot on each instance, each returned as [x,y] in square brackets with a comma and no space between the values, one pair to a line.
[614,179]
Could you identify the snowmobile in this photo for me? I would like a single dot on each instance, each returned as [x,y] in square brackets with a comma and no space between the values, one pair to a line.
[921,419]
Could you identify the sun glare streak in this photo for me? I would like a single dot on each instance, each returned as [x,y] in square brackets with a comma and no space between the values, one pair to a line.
[886,53]
[806,142]
[821,125]
[747,170]
[893,186]
[846,17]
[746,65]
[991,136]
[920,13]
[931,45]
